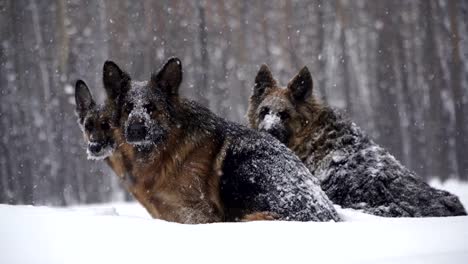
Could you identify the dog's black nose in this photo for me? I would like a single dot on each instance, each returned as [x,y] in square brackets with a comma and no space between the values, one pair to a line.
[95,147]
[136,132]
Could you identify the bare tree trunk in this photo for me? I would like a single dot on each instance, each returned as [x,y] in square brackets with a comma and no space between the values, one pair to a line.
[415,157]
[202,86]
[265,31]
[117,25]
[461,139]
[347,84]
[291,37]
[321,57]
[387,121]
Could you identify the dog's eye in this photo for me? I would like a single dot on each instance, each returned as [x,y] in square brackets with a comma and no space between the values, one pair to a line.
[128,107]
[105,126]
[149,107]
[284,115]
[264,111]
[89,126]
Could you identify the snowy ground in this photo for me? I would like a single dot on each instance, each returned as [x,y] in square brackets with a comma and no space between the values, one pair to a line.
[124,233]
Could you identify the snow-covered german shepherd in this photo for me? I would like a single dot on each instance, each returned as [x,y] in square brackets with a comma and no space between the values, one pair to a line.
[353,170]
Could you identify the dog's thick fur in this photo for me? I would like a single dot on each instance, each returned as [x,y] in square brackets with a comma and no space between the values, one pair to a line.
[353,170]
[190,166]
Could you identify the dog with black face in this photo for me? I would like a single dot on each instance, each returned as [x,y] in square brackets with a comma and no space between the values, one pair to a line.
[354,171]
[102,137]
[95,123]
[281,112]
[194,167]
[105,140]
[142,112]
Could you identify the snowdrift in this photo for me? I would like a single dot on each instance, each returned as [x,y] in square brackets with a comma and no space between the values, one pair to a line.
[124,233]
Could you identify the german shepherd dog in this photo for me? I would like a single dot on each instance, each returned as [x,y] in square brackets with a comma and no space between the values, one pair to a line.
[194,167]
[354,171]
[104,139]
[95,123]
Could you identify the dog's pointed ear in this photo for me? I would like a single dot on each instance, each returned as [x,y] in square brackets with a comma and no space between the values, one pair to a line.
[263,80]
[83,98]
[116,81]
[301,85]
[169,77]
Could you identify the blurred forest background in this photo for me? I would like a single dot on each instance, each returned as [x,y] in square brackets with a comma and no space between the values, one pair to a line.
[398,68]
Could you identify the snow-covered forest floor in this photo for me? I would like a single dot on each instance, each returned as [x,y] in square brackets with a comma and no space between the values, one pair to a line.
[124,233]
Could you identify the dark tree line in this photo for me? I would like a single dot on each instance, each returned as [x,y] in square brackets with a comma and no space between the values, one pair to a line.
[398,68]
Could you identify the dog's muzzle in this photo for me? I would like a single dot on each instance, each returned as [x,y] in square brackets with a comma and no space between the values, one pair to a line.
[95,148]
[100,150]
[136,132]
[272,125]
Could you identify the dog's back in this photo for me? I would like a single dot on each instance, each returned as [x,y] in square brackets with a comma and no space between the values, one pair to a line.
[259,174]
[357,173]
[262,174]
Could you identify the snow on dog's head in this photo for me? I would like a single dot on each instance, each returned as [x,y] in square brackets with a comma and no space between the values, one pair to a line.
[147,107]
[273,116]
[95,122]
[280,111]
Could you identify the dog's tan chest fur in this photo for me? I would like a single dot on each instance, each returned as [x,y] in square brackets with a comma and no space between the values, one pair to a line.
[178,183]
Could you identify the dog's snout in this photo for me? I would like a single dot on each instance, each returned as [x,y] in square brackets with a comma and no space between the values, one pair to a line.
[95,147]
[274,127]
[136,131]
[139,124]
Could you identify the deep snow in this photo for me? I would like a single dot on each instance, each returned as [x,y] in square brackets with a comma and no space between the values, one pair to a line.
[124,233]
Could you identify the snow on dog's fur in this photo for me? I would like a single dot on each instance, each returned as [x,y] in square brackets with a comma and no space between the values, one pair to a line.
[354,171]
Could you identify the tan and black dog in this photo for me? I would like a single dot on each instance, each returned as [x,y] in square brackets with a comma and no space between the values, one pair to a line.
[101,137]
[353,170]
[104,139]
[191,166]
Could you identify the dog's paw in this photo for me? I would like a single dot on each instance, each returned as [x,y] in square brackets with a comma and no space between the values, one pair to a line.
[260,216]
